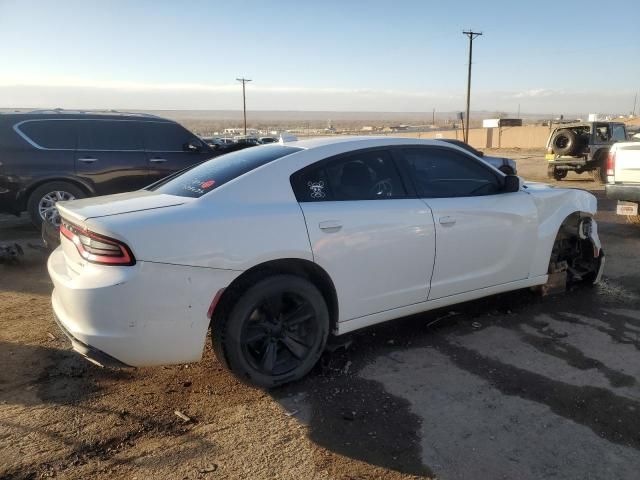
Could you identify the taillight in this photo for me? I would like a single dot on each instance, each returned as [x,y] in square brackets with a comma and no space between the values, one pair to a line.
[96,248]
[611,163]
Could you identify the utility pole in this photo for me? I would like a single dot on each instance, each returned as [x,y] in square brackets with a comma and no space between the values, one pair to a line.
[472,36]
[433,118]
[244,101]
[635,101]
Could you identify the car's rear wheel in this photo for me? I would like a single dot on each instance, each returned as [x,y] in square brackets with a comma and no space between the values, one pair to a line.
[274,333]
[41,205]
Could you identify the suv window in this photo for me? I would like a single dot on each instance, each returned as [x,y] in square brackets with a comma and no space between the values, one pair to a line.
[109,135]
[368,175]
[619,133]
[167,137]
[601,133]
[443,172]
[56,134]
[209,175]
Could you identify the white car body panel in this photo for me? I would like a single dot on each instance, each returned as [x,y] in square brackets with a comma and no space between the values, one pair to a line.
[627,166]
[365,245]
[381,261]
[488,244]
[142,315]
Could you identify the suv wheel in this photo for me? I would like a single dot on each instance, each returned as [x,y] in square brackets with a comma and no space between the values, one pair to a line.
[41,205]
[274,333]
[555,173]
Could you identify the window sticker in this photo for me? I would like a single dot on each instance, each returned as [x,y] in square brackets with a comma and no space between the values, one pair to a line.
[316,189]
[199,186]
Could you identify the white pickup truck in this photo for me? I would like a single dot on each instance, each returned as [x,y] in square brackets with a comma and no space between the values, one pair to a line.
[623,178]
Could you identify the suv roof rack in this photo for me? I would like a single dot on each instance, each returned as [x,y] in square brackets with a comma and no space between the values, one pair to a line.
[87,112]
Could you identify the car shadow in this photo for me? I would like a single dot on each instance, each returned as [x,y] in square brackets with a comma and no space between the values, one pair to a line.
[357,417]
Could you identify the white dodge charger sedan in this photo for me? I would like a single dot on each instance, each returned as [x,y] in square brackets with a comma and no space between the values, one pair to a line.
[278,246]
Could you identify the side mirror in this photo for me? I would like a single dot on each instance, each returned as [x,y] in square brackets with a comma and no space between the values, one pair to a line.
[193,146]
[511,184]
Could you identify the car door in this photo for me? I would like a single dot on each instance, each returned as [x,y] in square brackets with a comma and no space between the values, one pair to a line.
[110,155]
[170,147]
[484,237]
[377,244]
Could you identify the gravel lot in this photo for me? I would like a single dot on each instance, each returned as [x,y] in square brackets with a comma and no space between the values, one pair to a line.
[513,386]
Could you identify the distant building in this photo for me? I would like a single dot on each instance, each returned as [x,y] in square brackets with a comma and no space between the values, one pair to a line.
[367,128]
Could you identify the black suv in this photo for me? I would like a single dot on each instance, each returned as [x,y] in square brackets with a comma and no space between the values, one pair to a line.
[47,156]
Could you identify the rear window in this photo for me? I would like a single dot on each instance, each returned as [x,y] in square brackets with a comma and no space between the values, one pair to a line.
[205,177]
[57,134]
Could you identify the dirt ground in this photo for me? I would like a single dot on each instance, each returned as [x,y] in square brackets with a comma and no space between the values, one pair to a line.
[513,386]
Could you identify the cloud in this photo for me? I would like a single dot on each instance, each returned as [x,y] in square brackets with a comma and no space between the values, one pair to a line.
[72,92]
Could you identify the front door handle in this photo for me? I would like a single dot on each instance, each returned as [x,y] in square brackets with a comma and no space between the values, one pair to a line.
[447,221]
[157,160]
[87,159]
[330,226]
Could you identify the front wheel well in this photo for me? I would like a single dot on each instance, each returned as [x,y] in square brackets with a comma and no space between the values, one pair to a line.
[572,251]
[292,266]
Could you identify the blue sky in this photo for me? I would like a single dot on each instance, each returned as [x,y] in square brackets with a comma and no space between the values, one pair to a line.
[547,56]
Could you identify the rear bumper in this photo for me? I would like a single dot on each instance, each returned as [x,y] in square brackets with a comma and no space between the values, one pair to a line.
[142,315]
[87,351]
[628,193]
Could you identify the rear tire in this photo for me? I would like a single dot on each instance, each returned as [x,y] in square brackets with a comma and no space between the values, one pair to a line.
[41,202]
[274,333]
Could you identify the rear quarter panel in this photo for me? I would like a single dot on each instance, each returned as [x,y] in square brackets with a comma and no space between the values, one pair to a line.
[247,221]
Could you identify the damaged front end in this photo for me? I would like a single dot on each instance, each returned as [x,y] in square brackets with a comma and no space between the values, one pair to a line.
[577,255]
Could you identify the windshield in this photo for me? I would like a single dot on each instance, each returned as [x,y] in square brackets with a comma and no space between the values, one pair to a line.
[209,175]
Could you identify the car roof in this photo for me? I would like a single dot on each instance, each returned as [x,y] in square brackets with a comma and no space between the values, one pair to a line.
[59,113]
[360,141]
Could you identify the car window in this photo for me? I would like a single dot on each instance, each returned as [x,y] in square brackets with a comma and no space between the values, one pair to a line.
[619,134]
[109,135]
[443,172]
[213,173]
[369,175]
[58,134]
[167,137]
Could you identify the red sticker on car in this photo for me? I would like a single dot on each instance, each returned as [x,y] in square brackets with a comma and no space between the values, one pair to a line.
[207,184]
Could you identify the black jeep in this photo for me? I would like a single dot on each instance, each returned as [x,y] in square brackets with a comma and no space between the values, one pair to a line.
[582,147]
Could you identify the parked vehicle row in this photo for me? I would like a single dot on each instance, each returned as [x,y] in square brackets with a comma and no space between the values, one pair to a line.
[49,156]
[278,246]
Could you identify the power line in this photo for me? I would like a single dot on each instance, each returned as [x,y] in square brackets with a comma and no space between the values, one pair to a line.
[244,101]
[472,36]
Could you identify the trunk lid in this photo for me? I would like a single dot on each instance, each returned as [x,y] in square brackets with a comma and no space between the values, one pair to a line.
[96,207]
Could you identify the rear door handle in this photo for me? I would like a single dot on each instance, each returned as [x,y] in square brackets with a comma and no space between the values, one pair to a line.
[447,221]
[157,160]
[330,226]
[87,159]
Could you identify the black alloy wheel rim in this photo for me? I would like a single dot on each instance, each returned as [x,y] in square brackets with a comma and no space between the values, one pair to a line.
[279,334]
